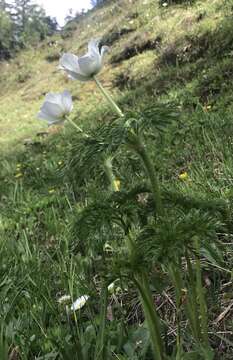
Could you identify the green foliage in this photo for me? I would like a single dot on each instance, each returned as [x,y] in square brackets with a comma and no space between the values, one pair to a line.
[174,2]
[22,23]
[69,29]
[30,22]
[6,35]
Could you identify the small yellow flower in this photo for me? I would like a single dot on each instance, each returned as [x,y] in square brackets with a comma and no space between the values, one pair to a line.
[59,162]
[183,176]
[51,191]
[117,184]
[19,175]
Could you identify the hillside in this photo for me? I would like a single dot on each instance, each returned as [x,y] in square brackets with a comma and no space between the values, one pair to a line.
[63,231]
[163,49]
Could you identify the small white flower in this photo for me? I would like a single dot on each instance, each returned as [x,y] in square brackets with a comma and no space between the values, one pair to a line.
[79,303]
[111,287]
[85,67]
[107,247]
[55,107]
[63,299]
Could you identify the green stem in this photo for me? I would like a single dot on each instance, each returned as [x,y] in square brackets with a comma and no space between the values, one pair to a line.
[76,126]
[151,316]
[191,305]
[110,175]
[108,97]
[100,346]
[130,243]
[177,280]
[141,150]
[201,297]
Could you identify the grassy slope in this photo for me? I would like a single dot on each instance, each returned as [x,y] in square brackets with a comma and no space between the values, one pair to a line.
[184,31]
[189,65]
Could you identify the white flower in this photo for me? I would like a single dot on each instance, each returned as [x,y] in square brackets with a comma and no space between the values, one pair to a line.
[111,287]
[64,299]
[85,67]
[79,303]
[55,107]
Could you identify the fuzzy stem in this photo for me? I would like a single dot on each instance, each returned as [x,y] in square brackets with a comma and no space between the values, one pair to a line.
[76,127]
[108,97]
[141,150]
[130,243]
[191,305]
[178,284]
[110,175]
[100,346]
[201,297]
[151,316]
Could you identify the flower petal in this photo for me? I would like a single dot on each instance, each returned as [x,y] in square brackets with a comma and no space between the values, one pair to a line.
[75,76]
[79,303]
[50,119]
[90,64]
[52,109]
[54,98]
[70,62]
[93,47]
[67,101]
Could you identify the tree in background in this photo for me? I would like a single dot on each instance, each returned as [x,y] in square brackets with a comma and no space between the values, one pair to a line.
[22,23]
[31,22]
[6,35]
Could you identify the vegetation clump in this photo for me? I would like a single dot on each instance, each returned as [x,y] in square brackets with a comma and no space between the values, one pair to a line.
[116,222]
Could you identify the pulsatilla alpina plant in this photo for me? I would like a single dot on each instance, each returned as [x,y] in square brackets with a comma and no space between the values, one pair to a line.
[149,233]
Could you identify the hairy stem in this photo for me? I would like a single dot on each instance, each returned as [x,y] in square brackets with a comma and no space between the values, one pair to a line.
[100,346]
[108,97]
[141,150]
[110,175]
[76,127]
[191,305]
[177,280]
[151,316]
[201,297]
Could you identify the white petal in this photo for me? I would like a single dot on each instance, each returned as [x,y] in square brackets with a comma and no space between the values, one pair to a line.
[79,303]
[70,62]
[90,64]
[54,98]
[52,109]
[93,47]
[67,101]
[50,119]
[111,287]
[76,76]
